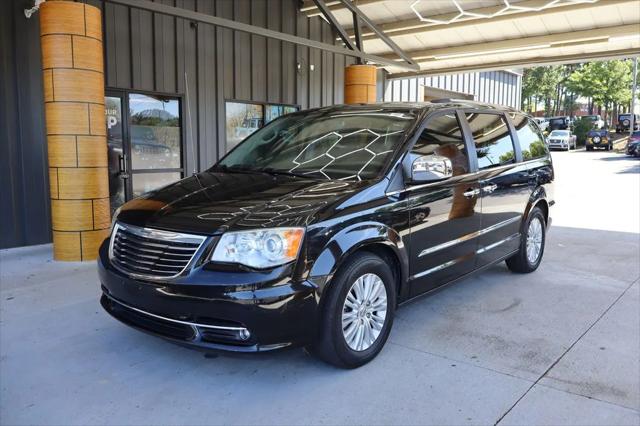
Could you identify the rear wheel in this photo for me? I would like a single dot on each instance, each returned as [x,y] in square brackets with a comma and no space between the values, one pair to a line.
[532,242]
[358,313]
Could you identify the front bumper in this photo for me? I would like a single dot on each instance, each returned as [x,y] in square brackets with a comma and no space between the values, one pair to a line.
[251,317]
[558,145]
[602,143]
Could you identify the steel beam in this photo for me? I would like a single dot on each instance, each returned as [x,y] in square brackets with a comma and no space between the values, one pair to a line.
[522,44]
[357,31]
[354,9]
[524,63]
[416,26]
[336,25]
[252,29]
[310,9]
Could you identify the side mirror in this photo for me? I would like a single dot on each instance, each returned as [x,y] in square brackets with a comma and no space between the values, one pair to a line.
[430,168]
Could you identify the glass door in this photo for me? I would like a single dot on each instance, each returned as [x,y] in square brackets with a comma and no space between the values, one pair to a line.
[118,178]
[144,139]
[155,142]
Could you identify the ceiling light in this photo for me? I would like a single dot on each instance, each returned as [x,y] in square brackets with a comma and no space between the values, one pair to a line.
[624,38]
[492,52]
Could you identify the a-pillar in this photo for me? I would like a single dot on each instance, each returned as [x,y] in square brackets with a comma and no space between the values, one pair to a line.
[73,73]
[360,84]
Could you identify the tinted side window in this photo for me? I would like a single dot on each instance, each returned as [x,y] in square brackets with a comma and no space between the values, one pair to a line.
[530,138]
[442,136]
[494,146]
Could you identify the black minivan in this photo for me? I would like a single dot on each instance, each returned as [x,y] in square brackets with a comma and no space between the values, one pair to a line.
[316,227]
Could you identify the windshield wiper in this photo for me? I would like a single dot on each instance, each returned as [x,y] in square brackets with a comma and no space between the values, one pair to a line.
[267,170]
[272,171]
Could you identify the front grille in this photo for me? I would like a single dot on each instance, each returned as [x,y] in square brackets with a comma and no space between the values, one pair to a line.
[151,253]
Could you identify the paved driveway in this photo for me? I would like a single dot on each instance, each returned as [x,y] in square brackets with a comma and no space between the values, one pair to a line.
[560,346]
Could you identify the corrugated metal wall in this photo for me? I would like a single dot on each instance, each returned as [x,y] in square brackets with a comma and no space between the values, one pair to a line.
[496,87]
[24,200]
[148,51]
[152,52]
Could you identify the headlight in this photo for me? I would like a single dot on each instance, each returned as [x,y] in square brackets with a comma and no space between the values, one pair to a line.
[260,248]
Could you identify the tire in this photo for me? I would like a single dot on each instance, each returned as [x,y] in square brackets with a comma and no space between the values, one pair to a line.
[589,148]
[331,344]
[521,262]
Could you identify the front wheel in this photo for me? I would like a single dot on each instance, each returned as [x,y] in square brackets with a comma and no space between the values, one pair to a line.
[532,242]
[358,313]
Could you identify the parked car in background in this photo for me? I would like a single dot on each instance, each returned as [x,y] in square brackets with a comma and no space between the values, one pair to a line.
[543,123]
[598,122]
[599,138]
[624,123]
[561,139]
[317,226]
[633,145]
[559,123]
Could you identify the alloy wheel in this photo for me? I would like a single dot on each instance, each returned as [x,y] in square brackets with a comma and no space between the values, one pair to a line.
[364,312]
[534,240]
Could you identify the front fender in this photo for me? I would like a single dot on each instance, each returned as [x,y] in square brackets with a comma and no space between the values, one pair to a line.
[351,239]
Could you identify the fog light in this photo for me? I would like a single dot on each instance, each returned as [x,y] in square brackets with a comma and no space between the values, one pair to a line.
[244,334]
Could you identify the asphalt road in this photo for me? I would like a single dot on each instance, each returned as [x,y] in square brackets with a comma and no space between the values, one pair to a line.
[560,346]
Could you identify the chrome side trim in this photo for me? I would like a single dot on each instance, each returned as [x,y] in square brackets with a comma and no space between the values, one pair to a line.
[496,244]
[437,268]
[190,324]
[158,235]
[469,236]
[458,260]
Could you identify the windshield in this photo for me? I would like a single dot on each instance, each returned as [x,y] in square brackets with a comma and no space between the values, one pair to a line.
[560,133]
[557,120]
[624,116]
[349,144]
[592,117]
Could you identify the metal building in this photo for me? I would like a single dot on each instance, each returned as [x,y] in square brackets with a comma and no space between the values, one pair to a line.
[496,87]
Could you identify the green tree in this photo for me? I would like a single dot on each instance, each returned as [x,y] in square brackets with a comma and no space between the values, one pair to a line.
[540,84]
[607,83]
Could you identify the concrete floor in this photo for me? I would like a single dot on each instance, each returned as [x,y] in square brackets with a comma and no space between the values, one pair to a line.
[560,346]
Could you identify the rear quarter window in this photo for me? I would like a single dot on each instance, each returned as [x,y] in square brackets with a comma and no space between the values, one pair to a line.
[530,138]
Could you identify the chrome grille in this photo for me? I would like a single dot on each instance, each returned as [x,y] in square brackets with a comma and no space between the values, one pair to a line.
[152,253]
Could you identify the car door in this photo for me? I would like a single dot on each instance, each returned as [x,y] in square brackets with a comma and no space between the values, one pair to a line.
[445,215]
[504,184]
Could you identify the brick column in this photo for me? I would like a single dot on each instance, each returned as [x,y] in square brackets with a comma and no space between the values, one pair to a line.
[360,84]
[73,72]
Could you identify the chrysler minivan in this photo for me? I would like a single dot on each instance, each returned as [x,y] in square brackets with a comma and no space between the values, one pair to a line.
[318,226]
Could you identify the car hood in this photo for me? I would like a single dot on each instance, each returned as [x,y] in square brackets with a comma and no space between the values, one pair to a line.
[214,202]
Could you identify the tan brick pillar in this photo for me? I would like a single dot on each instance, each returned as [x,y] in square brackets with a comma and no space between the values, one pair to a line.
[360,84]
[73,72]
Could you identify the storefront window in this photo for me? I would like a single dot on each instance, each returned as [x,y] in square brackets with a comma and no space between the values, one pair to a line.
[242,120]
[155,132]
[245,118]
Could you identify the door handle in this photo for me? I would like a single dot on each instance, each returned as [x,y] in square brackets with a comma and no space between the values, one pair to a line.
[489,188]
[122,165]
[470,193]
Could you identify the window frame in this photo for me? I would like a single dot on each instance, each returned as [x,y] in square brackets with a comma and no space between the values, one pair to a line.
[515,142]
[405,158]
[434,116]
[262,104]
[516,139]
